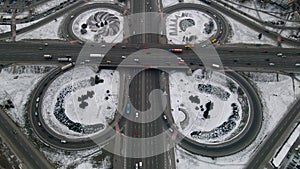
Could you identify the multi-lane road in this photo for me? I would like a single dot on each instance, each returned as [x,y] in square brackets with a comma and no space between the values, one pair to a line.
[238,57]
[254,58]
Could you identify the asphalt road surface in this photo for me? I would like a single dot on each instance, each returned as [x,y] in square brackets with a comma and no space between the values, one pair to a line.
[20,145]
[252,58]
[275,139]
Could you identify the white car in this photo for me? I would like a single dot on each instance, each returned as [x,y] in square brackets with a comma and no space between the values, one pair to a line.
[137,114]
[271,64]
[297,64]
[136,60]
[216,65]
[87,61]
[279,54]
[63,141]
[123,57]
[102,46]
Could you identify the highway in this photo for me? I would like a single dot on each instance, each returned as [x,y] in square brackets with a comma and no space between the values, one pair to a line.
[238,58]
[20,145]
[275,139]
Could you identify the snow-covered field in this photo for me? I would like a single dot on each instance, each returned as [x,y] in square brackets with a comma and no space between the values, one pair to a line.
[44,7]
[47,31]
[244,34]
[75,96]
[167,3]
[17,82]
[94,158]
[188,27]
[102,25]
[5,28]
[274,107]
[191,97]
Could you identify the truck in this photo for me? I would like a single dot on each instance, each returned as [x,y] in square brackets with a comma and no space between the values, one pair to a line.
[47,56]
[176,50]
[128,108]
[64,59]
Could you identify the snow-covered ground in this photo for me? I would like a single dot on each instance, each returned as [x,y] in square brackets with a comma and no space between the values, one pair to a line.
[244,34]
[17,82]
[102,25]
[47,31]
[5,28]
[190,97]
[82,102]
[47,5]
[94,158]
[274,107]
[167,3]
[188,27]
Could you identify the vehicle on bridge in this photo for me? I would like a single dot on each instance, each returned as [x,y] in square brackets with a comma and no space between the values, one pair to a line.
[176,50]
[47,56]
[96,55]
[128,108]
[64,59]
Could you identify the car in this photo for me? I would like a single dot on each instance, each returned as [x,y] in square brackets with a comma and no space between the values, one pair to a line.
[37,99]
[40,48]
[123,47]
[165,117]
[102,46]
[36,114]
[279,54]
[63,141]
[283,56]
[141,164]
[136,165]
[72,16]
[216,65]
[108,61]
[39,124]
[271,64]
[181,63]
[87,61]
[46,44]
[123,57]
[136,114]
[136,60]
[297,64]
[136,133]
